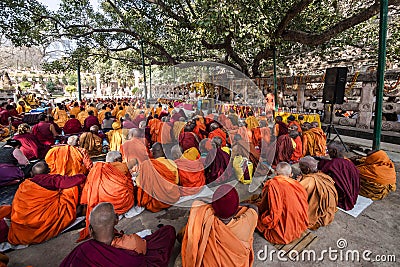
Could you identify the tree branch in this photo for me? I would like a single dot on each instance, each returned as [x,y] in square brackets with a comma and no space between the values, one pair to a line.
[320,38]
[290,15]
[263,54]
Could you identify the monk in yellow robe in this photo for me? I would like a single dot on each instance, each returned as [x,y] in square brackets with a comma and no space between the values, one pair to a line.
[91,141]
[43,206]
[82,116]
[283,207]
[220,233]
[108,182]
[60,116]
[115,136]
[314,141]
[75,110]
[251,121]
[322,194]
[377,175]
[157,182]
[68,159]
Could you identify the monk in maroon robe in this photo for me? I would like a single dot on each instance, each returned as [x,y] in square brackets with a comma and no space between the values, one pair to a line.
[31,146]
[90,121]
[284,149]
[218,167]
[44,131]
[188,138]
[72,126]
[344,173]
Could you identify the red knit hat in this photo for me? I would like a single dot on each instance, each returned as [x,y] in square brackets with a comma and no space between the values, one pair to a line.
[225,201]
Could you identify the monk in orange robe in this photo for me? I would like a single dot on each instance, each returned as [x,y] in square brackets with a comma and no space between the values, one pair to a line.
[157,182]
[155,129]
[68,159]
[60,116]
[217,132]
[135,147]
[75,110]
[108,182]
[377,175]
[200,127]
[43,206]
[297,144]
[165,136]
[220,234]
[321,191]
[292,122]
[314,141]
[190,170]
[283,207]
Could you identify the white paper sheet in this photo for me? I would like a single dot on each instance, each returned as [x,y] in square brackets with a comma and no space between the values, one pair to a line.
[361,204]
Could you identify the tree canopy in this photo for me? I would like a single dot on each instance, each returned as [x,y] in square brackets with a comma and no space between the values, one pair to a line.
[239,33]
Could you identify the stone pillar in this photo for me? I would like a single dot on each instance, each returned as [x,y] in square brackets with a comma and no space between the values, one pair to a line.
[366,106]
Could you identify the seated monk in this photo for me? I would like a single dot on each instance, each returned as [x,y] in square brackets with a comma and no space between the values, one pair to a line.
[135,147]
[91,141]
[220,234]
[218,167]
[178,127]
[344,173]
[314,141]
[292,122]
[157,182]
[322,194]
[242,148]
[284,149]
[377,175]
[90,121]
[82,116]
[188,138]
[12,163]
[108,247]
[108,182]
[190,170]
[44,131]
[297,144]
[69,159]
[115,136]
[280,128]
[72,126]
[60,116]
[30,145]
[43,206]
[283,207]
[215,131]
[261,136]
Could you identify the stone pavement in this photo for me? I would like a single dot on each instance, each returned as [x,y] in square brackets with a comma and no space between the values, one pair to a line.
[376,229]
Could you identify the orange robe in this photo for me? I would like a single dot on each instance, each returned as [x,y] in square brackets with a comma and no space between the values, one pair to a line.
[155,129]
[39,214]
[135,149]
[314,142]
[298,150]
[157,187]
[283,210]
[101,116]
[377,176]
[68,160]
[191,174]
[296,124]
[107,182]
[165,134]
[220,133]
[75,111]
[322,199]
[209,242]
[95,111]
[245,133]
[60,117]
[115,139]
[82,117]
[200,128]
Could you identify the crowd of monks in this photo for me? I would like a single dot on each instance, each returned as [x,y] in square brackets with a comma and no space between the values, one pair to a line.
[156,155]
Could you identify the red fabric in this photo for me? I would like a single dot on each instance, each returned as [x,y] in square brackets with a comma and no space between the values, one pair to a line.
[188,140]
[225,201]
[218,166]
[31,146]
[89,122]
[298,151]
[284,149]
[72,126]
[43,133]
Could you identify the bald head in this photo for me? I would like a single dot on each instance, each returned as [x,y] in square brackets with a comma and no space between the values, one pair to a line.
[102,220]
[305,126]
[336,150]
[214,126]
[263,123]
[40,168]
[176,152]
[114,156]
[217,141]
[72,140]
[308,165]
[284,169]
[314,124]
[135,133]
[157,150]
[94,129]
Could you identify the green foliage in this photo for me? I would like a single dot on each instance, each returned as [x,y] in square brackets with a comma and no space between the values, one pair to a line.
[70,89]
[25,85]
[64,80]
[73,79]
[50,86]
[24,78]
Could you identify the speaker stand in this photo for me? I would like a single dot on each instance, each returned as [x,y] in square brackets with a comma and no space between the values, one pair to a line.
[331,128]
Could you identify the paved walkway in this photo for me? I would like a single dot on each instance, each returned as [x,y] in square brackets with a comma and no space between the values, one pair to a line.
[376,230]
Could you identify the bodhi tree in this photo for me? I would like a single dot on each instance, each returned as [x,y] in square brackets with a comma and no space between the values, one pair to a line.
[239,33]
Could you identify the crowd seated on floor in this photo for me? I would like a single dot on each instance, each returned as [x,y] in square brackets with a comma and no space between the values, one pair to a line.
[155,156]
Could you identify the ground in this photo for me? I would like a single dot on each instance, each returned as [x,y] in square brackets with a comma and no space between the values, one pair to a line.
[376,230]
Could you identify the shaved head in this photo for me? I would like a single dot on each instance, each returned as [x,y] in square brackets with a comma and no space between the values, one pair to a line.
[72,140]
[102,218]
[157,150]
[283,168]
[314,124]
[40,168]
[176,152]
[217,141]
[308,165]
[135,133]
[336,150]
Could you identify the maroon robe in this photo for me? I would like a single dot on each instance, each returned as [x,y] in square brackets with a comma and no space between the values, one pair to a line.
[72,126]
[139,118]
[89,122]
[57,182]
[43,133]
[284,149]
[188,140]
[347,180]
[217,166]
[94,253]
[31,146]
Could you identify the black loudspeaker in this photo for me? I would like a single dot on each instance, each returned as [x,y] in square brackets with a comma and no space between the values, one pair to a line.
[335,83]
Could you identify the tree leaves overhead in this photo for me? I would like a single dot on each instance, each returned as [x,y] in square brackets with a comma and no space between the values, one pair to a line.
[239,33]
